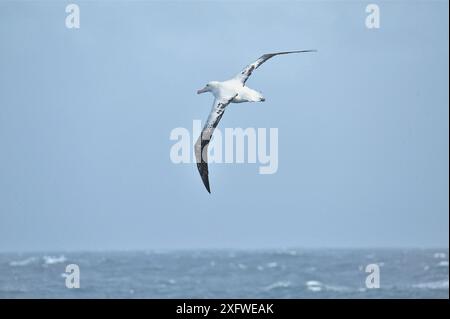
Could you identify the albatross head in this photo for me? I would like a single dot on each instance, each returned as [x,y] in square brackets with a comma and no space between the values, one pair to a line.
[210,87]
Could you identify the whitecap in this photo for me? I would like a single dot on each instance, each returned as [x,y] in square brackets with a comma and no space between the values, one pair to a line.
[24,262]
[314,285]
[271,264]
[51,260]
[443,263]
[278,285]
[337,288]
[440,255]
[442,284]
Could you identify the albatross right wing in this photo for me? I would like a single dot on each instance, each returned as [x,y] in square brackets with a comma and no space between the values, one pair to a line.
[248,70]
[201,146]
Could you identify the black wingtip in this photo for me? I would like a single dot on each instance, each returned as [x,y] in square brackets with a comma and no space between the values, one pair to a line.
[207,186]
[303,51]
[203,170]
[206,183]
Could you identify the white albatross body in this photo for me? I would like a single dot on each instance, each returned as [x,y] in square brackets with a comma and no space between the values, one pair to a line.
[226,92]
[232,87]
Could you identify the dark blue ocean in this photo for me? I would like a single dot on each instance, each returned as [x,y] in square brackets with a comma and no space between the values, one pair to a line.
[290,273]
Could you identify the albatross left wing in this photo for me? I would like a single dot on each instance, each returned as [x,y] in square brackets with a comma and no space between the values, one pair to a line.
[248,70]
[201,146]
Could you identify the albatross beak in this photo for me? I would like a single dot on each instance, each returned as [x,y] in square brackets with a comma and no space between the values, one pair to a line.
[205,89]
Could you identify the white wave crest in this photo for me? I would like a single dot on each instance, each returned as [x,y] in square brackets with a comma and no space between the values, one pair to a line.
[313,285]
[21,263]
[442,284]
[316,286]
[440,255]
[51,260]
[278,285]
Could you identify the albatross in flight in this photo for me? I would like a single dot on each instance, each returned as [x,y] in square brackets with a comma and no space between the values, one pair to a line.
[226,92]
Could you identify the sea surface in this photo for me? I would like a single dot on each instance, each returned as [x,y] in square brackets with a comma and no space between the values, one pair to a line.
[287,273]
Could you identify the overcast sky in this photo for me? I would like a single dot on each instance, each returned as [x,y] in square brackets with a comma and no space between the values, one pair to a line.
[86,114]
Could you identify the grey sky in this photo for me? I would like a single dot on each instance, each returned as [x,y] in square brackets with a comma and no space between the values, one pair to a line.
[85,118]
